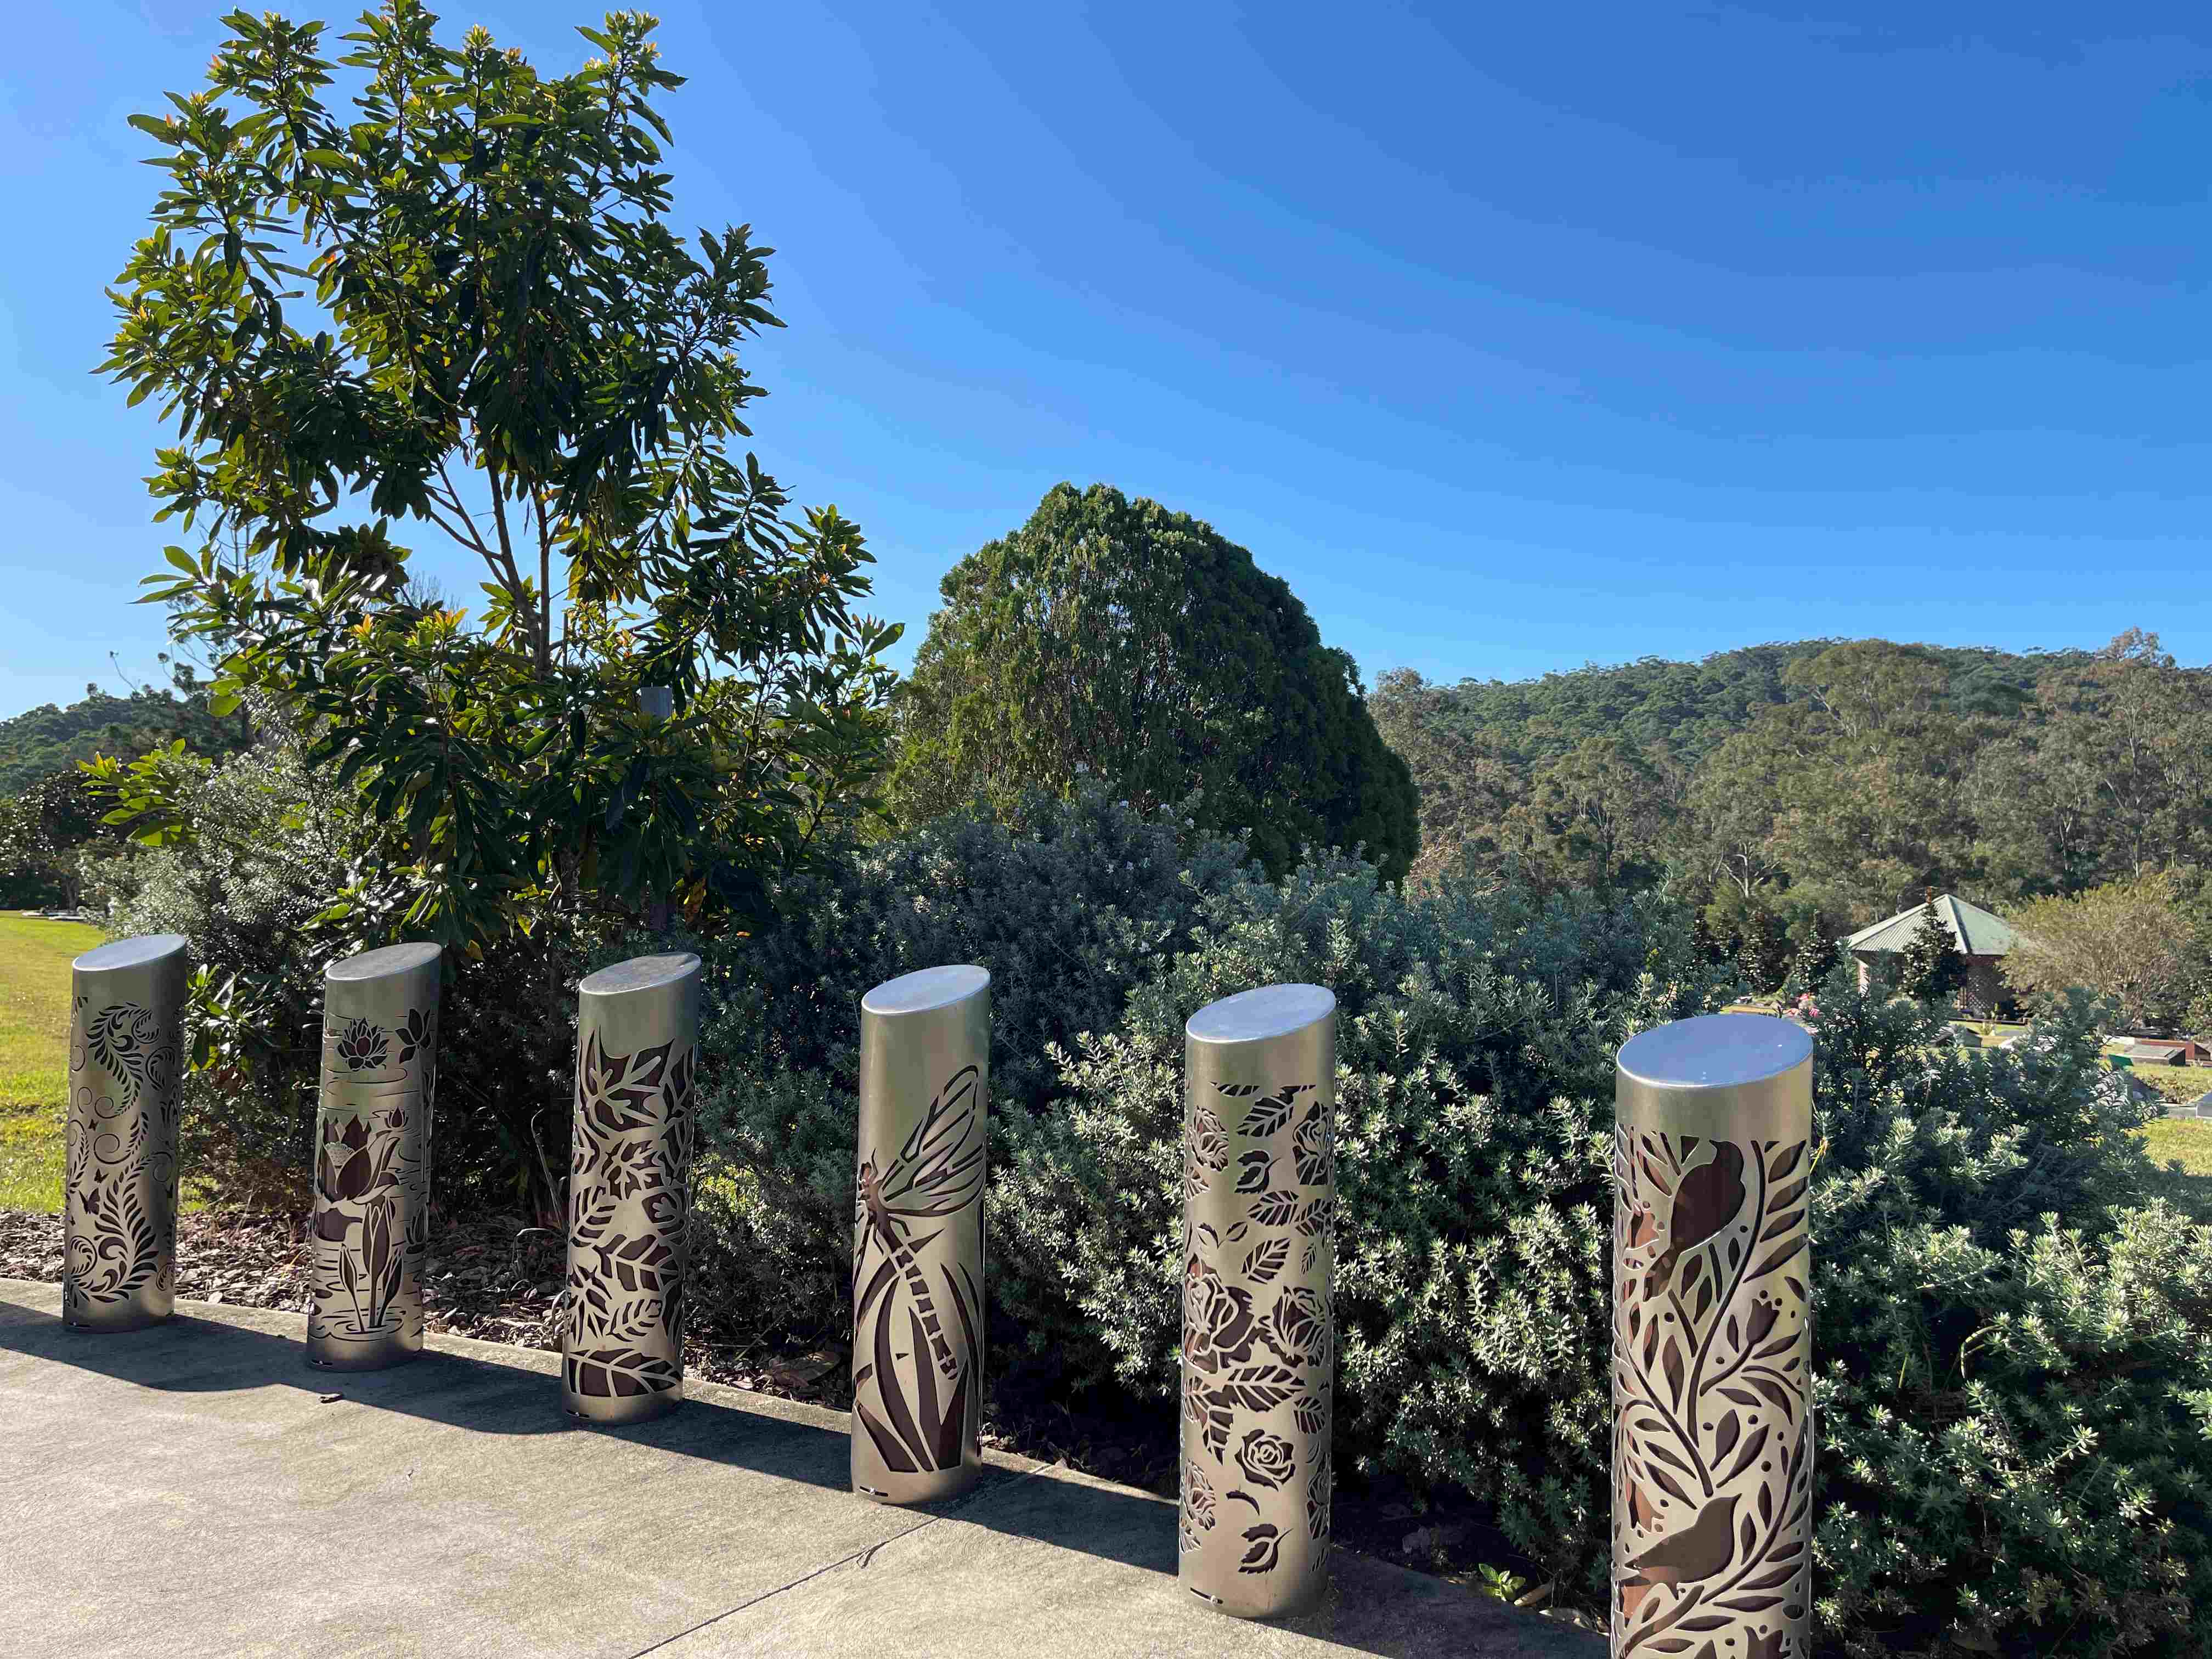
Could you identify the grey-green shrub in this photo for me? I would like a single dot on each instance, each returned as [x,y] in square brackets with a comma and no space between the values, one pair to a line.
[2015,1373]
[262,849]
[1475,1098]
[2015,1388]
[1069,903]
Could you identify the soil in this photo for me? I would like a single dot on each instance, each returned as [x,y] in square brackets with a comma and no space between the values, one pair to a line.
[498,1278]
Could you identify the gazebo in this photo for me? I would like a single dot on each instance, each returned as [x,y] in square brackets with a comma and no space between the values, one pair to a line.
[1982,939]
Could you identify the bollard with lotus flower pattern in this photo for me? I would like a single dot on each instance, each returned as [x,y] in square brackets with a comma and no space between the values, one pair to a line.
[1712,1410]
[1258,1325]
[119,1177]
[372,1221]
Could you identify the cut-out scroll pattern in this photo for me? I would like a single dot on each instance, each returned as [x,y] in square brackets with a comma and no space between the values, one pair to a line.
[917,1310]
[1258,1337]
[119,1175]
[629,1204]
[1712,1445]
[371,1230]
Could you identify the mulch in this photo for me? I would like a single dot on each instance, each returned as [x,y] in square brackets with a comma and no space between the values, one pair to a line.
[498,1278]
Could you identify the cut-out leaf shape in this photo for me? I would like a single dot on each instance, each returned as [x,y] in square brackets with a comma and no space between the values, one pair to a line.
[1275,1209]
[1706,1200]
[1267,1259]
[1263,1547]
[1254,1171]
[1268,1115]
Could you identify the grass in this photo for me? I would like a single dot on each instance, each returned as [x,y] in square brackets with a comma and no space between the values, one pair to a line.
[34,1016]
[2177,1140]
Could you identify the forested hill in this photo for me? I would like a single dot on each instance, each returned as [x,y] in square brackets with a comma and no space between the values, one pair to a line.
[1811,787]
[47,740]
[1687,707]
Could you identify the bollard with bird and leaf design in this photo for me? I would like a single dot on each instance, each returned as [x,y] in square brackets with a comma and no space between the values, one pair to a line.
[1712,1418]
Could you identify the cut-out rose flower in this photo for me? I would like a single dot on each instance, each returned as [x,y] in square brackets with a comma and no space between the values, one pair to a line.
[1297,1330]
[362,1045]
[1319,1490]
[1197,1496]
[1267,1460]
[1217,1325]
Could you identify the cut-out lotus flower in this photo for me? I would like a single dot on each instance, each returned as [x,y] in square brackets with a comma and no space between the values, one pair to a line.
[362,1045]
[345,1171]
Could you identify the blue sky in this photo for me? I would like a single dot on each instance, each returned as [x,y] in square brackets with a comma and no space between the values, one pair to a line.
[1511,337]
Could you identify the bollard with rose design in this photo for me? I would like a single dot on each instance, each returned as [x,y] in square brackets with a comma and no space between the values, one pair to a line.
[1258,1326]
[371,1228]
[119,1181]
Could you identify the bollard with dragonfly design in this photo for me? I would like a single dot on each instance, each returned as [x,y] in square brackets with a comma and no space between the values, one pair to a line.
[923,1138]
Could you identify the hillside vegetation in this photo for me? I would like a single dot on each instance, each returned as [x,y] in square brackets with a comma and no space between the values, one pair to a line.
[1793,792]
[47,740]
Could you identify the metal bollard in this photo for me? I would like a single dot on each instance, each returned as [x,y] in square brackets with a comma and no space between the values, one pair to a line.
[119,1184]
[371,1231]
[1712,1427]
[924,1140]
[629,1188]
[1259,1327]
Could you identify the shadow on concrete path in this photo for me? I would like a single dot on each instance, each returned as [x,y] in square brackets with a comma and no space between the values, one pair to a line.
[1375,1608]
[186,1355]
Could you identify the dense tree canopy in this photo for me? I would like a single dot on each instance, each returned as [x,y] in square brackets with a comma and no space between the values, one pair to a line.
[2119,940]
[1797,791]
[457,311]
[1140,646]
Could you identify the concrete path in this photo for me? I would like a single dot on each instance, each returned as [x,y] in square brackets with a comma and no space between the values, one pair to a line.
[185,1491]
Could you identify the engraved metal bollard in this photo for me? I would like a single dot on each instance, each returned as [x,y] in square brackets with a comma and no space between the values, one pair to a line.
[629,1188]
[371,1231]
[1712,1430]
[1259,1330]
[119,1181]
[924,1138]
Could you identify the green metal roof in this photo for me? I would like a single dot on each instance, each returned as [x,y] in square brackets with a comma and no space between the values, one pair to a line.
[1974,930]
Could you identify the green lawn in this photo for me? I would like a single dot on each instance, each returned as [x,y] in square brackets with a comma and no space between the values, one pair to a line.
[34,1016]
[2175,1139]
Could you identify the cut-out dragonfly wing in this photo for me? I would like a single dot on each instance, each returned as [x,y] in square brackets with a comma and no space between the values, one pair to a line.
[940,1169]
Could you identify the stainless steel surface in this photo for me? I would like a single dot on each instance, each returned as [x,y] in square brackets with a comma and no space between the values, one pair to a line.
[119,1179]
[1712,1429]
[380,1077]
[1259,1323]
[629,1188]
[923,1143]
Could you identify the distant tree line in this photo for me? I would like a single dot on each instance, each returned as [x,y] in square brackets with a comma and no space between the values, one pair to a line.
[48,813]
[1793,793]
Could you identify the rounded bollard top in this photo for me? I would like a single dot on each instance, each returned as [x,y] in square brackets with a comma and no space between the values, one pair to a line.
[129,952]
[1715,1051]
[1273,1011]
[640,974]
[384,960]
[925,989]
[1717,1074]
